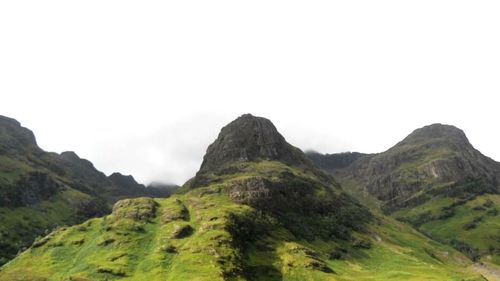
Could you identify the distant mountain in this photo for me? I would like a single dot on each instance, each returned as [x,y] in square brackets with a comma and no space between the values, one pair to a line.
[126,187]
[332,162]
[257,209]
[437,181]
[41,190]
[159,189]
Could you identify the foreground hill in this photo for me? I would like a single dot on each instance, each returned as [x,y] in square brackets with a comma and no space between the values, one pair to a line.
[257,210]
[41,190]
[435,180]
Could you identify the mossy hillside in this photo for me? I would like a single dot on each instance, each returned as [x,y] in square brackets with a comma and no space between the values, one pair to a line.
[307,202]
[41,190]
[21,225]
[33,198]
[205,234]
[463,216]
[228,241]
[472,226]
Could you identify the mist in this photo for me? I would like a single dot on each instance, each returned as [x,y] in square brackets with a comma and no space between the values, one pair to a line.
[144,89]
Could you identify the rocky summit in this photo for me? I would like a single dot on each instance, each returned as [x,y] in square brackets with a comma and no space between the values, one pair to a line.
[14,138]
[247,139]
[435,155]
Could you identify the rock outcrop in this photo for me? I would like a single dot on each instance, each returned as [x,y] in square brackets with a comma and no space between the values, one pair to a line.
[435,155]
[250,138]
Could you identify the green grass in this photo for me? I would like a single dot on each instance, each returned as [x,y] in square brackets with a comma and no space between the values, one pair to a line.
[203,234]
[474,222]
[228,241]
[21,225]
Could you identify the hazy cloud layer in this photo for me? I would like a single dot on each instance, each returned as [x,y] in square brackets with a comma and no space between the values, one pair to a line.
[144,88]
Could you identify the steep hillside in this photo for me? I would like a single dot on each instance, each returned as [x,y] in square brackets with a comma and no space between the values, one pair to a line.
[437,181]
[334,162]
[263,216]
[40,191]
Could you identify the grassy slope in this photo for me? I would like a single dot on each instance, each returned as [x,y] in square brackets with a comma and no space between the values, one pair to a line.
[20,225]
[475,223]
[203,235]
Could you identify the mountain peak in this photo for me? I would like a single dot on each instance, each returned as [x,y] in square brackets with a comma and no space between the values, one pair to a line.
[437,132]
[70,156]
[250,138]
[7,120]
[14,137]
[127,181]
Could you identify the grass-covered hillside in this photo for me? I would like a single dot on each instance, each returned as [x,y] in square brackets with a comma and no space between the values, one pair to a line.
[471,226]
[40,191]
[241,227]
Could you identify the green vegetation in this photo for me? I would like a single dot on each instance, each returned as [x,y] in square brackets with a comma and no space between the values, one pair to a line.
[220,232]
[472,226]
[40,191]
[21,225]
[127,246]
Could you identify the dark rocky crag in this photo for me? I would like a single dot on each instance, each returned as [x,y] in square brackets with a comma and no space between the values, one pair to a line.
[248,139]
[433,156]
[126,186]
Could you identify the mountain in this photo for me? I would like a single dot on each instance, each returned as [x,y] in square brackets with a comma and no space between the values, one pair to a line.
[248,139]
[435,180]
[126,187]
[41,190]
[256,210]
[160,189]
[333,162]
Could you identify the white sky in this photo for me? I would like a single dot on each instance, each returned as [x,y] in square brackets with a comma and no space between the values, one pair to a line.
[142,87]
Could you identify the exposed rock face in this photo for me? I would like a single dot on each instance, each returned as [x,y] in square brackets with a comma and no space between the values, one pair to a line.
[126,186]
[430,156]
[250,138]
[15,138]
[30,189]
[127,182]
[247,139]
[84,176]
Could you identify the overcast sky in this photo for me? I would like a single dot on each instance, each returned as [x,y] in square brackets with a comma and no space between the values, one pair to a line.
[143,87]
